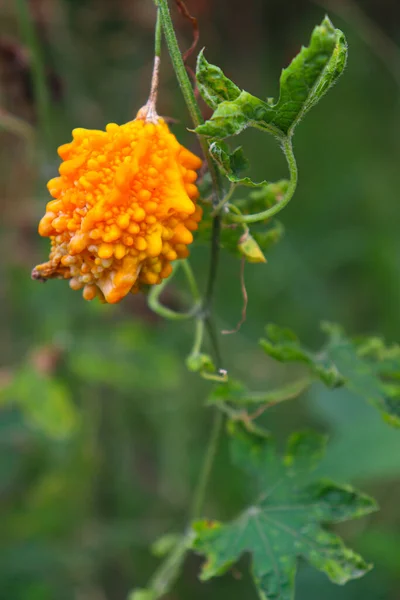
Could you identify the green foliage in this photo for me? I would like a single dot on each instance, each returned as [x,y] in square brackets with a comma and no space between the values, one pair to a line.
[285,522]
[283,345]
[260,238]
[213,85]
[266,237]
[232,164]
[302,84]
[69,508]
[251,243]
[309,76]
[263,197]
[249,248]
[366,367]
[45,402]
[351,455]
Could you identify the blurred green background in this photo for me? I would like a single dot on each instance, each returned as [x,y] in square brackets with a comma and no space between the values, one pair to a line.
[102,430]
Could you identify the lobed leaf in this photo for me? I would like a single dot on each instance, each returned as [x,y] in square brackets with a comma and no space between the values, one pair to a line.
[212,83]
[302,84]
[286,521]
[232,164]
[366,367]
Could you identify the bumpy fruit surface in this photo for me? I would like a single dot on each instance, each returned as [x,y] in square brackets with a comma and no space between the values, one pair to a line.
[124,208]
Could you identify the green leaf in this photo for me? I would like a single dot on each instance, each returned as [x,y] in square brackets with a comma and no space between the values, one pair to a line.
[249,248]
[268,237]
[351,456]
[286,521]
[302,84]
[212,83]
[263,197]
[252,244]
[366,367]
[283,345]
[232,163]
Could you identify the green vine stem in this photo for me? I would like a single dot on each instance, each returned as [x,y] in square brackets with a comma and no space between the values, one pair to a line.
[191,280]
[282,394]
[158,35]
[201,487]
[224,200]
[197,343]
[190,99]
[287,148]
[169,570]
[265,400]
[191,102]
[187,91]
[165,577]
[168,313]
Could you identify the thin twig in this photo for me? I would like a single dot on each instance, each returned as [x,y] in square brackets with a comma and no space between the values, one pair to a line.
[196,36]
[195,26]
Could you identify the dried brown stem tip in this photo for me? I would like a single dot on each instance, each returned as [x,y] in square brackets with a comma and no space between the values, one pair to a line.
[148,112]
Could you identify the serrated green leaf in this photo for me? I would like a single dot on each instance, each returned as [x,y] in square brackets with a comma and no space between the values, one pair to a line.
[366,367]
[232,164]
[302,84]
[230,118]
[286,521]
[212,83]
[305,449]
